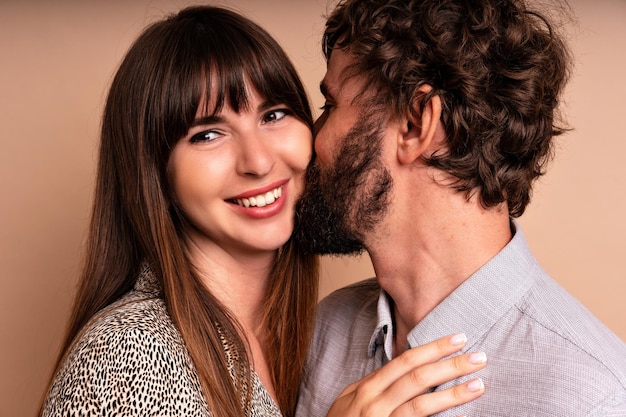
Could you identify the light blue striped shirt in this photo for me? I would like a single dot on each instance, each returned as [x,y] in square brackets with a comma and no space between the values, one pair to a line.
[547,354]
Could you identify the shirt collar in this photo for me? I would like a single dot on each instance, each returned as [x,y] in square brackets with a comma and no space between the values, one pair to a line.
[383,334]
[474,306]
[147,281]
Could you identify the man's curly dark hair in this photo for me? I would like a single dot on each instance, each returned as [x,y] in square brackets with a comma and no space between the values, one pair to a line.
[498,67]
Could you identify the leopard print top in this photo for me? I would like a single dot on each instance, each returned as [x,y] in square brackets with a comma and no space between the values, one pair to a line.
[131,361]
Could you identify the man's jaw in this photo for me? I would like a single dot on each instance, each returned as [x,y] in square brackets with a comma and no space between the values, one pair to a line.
[318,228]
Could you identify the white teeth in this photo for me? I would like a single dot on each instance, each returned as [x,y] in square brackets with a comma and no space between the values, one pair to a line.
[261,200]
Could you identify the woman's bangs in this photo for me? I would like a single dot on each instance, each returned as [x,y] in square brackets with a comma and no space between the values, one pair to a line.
[223,62]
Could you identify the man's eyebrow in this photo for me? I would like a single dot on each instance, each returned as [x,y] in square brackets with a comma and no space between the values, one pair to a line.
[324,89]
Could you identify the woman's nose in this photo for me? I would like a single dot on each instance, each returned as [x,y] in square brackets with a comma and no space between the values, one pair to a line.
[256,156]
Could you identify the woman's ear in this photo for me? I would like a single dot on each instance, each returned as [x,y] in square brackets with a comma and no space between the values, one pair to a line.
[419,127]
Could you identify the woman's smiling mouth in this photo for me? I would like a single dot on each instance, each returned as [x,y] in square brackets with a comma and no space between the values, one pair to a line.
[261,200]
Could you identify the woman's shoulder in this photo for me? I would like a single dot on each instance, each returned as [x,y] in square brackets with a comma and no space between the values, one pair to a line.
[132,318]
[128,358]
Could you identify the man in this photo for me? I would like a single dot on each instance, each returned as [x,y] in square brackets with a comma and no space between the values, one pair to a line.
[439,116]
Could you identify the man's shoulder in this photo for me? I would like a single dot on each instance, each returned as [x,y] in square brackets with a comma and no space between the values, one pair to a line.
[352,299]
[338,355]
[572,329]
[348,313]
[361,290]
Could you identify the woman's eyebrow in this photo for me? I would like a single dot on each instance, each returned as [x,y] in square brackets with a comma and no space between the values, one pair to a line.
[266,105]
[215,119]
[207,120]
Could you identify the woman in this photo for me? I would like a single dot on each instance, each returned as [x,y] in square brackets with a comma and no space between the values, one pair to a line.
[193,300]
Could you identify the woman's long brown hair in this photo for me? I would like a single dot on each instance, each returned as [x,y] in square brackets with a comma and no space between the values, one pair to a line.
[151,104]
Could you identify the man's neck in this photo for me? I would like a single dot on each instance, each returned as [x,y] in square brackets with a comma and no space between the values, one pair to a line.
[421,258]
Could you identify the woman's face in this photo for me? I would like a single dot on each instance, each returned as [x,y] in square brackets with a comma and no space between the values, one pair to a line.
[236,176]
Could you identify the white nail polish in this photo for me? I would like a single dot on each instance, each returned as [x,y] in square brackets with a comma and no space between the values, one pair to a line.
[458,339]
[475,385]
[478,358]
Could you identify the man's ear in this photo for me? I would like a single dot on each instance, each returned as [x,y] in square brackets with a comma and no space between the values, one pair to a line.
[419,127]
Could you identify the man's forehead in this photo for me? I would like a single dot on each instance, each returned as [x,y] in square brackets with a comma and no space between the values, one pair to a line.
[337,81]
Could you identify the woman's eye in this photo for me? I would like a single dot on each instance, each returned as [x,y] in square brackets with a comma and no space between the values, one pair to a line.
[205,136]
[275,115]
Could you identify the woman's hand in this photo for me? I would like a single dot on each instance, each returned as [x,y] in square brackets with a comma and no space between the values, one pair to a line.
[398,388]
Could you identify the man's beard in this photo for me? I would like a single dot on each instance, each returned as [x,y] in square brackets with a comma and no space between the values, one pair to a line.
[339,204]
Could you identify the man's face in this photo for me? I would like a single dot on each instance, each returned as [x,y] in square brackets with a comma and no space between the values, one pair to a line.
[348,187]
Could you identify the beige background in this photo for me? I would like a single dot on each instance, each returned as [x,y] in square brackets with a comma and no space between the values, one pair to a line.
[56,60]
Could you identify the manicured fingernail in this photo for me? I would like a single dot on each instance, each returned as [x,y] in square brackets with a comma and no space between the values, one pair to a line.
[475,385]
[478,357]
[458,339]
